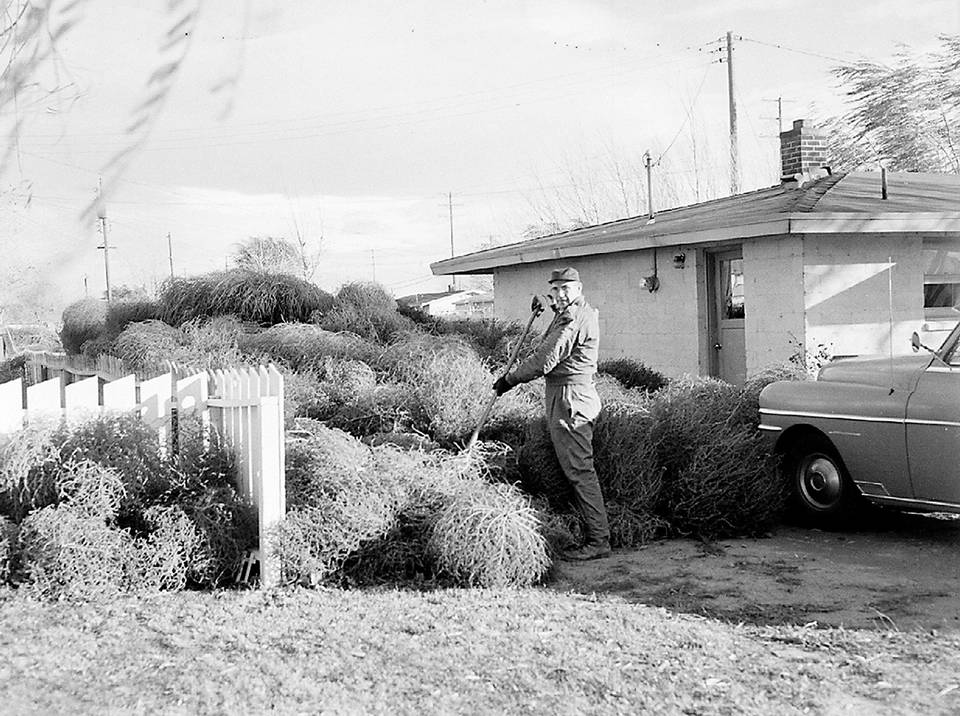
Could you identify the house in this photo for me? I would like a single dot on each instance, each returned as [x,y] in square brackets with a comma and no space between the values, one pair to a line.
[477,305]
[822,264]
[449,304]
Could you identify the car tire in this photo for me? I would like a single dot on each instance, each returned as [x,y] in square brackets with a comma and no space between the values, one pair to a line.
[821,492]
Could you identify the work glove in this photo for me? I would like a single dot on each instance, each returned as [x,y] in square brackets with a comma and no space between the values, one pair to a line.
[502,385]
[538,304]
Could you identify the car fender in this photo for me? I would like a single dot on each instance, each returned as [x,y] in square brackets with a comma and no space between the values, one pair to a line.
[865,424]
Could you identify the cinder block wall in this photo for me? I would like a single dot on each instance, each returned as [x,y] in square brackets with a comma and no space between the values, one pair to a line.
[847,283]
[660,329]
[773,299]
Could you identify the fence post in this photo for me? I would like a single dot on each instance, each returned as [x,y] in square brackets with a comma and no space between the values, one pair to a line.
[270,486]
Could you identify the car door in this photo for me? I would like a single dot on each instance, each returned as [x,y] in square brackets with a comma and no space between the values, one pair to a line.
[933,429]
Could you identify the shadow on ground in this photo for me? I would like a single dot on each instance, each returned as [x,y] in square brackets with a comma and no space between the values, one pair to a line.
[892,570]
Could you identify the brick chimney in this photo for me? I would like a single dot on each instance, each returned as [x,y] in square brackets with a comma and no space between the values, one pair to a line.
[803,152]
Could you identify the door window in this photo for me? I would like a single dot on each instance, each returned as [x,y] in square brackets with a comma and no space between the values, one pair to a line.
[731,288]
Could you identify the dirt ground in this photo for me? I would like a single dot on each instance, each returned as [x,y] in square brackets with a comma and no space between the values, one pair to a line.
[894,571]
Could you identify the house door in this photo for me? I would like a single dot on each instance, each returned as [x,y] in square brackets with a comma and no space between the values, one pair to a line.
[727,312]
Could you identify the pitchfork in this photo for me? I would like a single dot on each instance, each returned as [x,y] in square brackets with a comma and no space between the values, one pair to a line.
[510,361]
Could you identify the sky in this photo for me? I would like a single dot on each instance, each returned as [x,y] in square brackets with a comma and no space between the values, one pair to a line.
[362,126]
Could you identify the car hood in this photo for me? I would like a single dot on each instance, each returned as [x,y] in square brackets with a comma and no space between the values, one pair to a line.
[882,371]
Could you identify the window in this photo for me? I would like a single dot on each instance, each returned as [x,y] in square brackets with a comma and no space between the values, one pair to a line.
[731,277]
[941,282]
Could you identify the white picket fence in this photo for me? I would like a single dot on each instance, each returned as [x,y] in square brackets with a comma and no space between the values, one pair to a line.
[245,405]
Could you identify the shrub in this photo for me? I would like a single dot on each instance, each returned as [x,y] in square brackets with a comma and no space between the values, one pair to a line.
[147,344]
[251,296]
[66,553]
[8,547]
[688,413]
[448,384]
[511,414]
[727,488]
[491,338]
[321,462]
[489,536]
[127,445]
[376,325]
[748,411]
[334,503]
[365,296]
[630,474]
[718,479]
[12,368]
[121,314]
[368,310]
[385,407]
[611,390]
[633,374]
[303,395]
[165,556]
[227,529]
[540,471]
[83,320]
[303,345]
[89,489]
[211,343]
[28,460]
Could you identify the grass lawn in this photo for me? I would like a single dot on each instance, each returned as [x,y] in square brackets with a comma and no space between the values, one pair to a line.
[458,651]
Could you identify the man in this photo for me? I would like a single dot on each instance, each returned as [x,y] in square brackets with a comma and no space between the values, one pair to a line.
[567,358]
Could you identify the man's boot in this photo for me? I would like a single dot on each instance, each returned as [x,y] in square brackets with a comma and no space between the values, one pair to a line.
[587,551]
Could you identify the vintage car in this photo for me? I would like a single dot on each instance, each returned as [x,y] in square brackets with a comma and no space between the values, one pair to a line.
[884,429]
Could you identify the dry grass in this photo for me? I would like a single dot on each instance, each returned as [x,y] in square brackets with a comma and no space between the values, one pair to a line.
[451,652]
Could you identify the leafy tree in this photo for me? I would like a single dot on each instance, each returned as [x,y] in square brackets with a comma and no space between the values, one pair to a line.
[905,114]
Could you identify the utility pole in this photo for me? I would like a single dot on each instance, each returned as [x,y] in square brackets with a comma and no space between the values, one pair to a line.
[102,216]
[734,173]
[170,253]
[648,162]
[778,163]
[373,263]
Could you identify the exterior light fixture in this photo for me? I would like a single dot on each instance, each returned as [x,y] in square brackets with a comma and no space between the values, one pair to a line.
[679,260]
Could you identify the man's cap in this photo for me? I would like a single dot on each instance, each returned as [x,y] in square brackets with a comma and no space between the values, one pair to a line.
[564,274]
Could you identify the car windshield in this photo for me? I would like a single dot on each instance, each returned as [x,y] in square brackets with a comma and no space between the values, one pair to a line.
[949,348]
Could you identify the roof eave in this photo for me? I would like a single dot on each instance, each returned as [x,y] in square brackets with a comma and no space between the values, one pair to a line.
[650,236]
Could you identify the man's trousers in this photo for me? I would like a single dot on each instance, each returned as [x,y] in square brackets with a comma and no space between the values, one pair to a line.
[571,410]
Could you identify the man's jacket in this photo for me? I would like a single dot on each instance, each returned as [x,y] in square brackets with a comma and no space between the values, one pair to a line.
[567,354]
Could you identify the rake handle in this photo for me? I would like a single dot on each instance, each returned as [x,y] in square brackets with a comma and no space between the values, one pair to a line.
[510,361]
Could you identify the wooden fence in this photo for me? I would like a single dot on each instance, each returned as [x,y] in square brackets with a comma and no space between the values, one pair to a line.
[245,405]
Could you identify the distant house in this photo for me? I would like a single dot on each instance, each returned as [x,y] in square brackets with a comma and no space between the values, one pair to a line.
[823,263]
[478,305]
[448,304]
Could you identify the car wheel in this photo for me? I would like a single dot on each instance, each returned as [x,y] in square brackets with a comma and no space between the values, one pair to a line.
[820,488]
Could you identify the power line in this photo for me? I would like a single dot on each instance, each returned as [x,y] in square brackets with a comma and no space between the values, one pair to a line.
[686,114]
[779,46]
